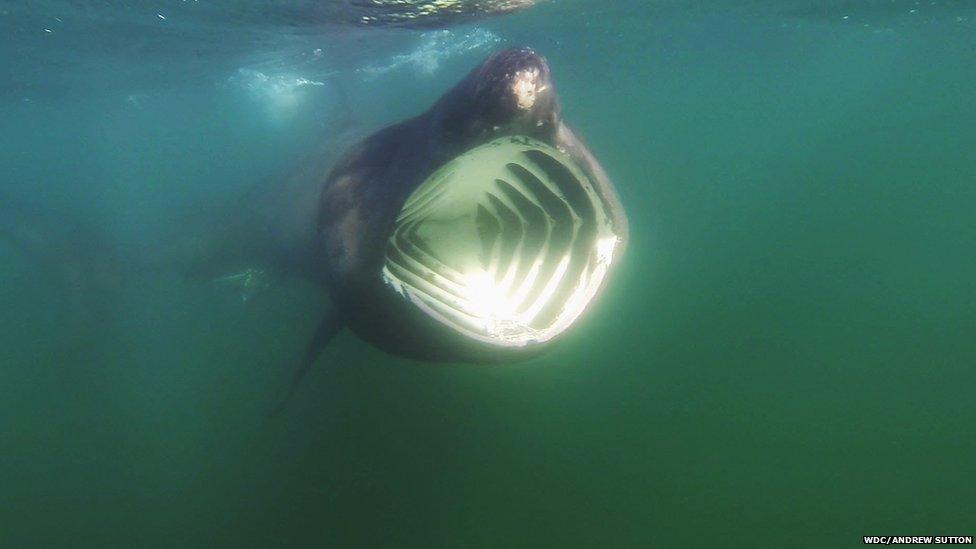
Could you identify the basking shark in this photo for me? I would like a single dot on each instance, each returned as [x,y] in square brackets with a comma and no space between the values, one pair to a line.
[481,230]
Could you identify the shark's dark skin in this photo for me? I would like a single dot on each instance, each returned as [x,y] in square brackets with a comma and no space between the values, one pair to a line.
[368,187]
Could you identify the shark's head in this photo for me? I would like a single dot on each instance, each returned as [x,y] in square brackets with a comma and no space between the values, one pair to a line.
[510,239]
[510,93]
[490,226]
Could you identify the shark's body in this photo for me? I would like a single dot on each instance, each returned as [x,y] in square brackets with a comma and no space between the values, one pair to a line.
[510,96]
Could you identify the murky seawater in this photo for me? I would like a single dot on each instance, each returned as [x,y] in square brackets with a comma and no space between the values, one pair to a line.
[786,357]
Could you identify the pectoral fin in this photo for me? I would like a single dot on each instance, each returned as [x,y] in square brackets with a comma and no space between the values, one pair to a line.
[330,325]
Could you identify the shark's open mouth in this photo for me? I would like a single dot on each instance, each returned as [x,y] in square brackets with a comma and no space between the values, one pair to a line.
[507,243]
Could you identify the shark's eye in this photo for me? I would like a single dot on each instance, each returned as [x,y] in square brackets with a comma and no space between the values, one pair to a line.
[507,243]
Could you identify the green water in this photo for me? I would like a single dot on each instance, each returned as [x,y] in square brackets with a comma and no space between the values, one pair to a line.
[785,357]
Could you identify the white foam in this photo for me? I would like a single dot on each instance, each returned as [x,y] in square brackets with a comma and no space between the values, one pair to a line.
[281,94]
[435,47]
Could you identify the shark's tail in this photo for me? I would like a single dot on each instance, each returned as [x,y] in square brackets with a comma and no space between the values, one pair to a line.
[88,270]
[81,267]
